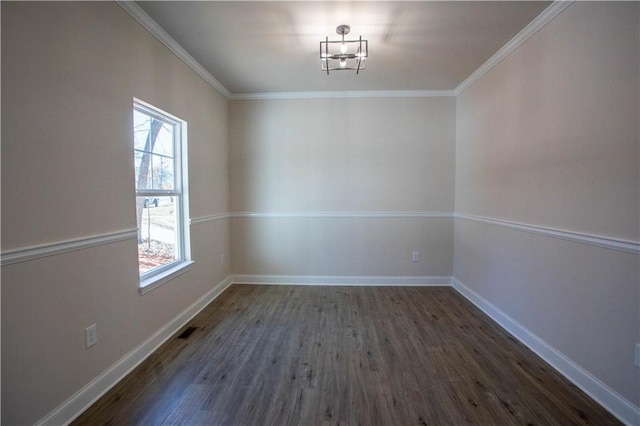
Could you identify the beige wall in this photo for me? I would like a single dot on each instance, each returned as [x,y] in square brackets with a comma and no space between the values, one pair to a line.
[70,72]
[549,137]
[343,246]
[358,156]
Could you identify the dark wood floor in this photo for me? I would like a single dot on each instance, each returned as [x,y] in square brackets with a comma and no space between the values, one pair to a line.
[298,355]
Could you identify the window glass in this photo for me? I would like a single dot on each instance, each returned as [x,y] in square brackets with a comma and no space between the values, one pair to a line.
[160,207]
[158,231]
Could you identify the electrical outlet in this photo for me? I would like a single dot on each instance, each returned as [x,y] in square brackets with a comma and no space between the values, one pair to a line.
[90,335]
[636,360]
[222,259]
[415,256]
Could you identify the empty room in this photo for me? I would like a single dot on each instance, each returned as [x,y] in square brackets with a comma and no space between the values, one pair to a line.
[313,212]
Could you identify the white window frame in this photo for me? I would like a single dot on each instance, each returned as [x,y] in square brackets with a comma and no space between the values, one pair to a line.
[162,274]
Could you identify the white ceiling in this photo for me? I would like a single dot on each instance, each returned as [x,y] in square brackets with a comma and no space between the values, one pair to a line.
[273,46]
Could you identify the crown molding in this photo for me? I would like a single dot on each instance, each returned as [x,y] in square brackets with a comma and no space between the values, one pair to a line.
[345,94]
[534,26]
[156,30]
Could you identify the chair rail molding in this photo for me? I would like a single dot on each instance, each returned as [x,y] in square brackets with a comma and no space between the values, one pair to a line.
[618,244]
[441,215]
[26,254]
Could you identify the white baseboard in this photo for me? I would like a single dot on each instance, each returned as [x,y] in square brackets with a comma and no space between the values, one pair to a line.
[342,280]
[592,386]
[85,397]
[617,405]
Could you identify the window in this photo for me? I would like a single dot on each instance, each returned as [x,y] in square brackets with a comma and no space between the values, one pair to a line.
[159,152]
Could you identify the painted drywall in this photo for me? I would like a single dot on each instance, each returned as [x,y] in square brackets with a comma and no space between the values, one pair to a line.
[338,246]
[318,157]
[70,72]
[549,137]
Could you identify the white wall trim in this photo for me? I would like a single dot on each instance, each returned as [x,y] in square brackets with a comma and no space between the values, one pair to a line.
[345,94]
[534,26]
[590,239]
[210,218]
[156,280]
[441,215]
[591,385]
[342,280]
[25,254]
[156,30]
[85,397]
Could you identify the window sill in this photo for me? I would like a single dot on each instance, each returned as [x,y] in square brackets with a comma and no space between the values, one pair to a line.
[157,280]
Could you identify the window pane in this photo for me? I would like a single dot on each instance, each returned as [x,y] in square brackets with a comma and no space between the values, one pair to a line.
[157,172]
[161,173]
[153,152]
[157,245]
[164,143]
[162,134]
[141,123]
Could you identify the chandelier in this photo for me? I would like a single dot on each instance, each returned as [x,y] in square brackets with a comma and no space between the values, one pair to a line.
[343,54]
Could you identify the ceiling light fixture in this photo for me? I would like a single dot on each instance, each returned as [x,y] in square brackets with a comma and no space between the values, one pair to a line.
[349,54]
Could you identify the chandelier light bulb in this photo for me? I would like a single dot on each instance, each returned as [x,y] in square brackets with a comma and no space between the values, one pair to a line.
[343,48]
[343,62]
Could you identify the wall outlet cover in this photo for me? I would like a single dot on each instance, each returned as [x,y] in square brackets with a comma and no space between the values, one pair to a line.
[636,360]
[90,336]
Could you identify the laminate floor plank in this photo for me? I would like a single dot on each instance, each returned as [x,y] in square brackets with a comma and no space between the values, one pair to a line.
[314,355]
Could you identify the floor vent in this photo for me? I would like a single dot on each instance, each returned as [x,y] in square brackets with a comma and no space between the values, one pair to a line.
[185,334]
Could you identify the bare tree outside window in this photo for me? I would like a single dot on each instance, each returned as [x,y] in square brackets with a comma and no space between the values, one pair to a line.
[152,131]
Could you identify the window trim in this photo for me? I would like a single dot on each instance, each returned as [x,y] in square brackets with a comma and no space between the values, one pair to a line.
[165,273]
